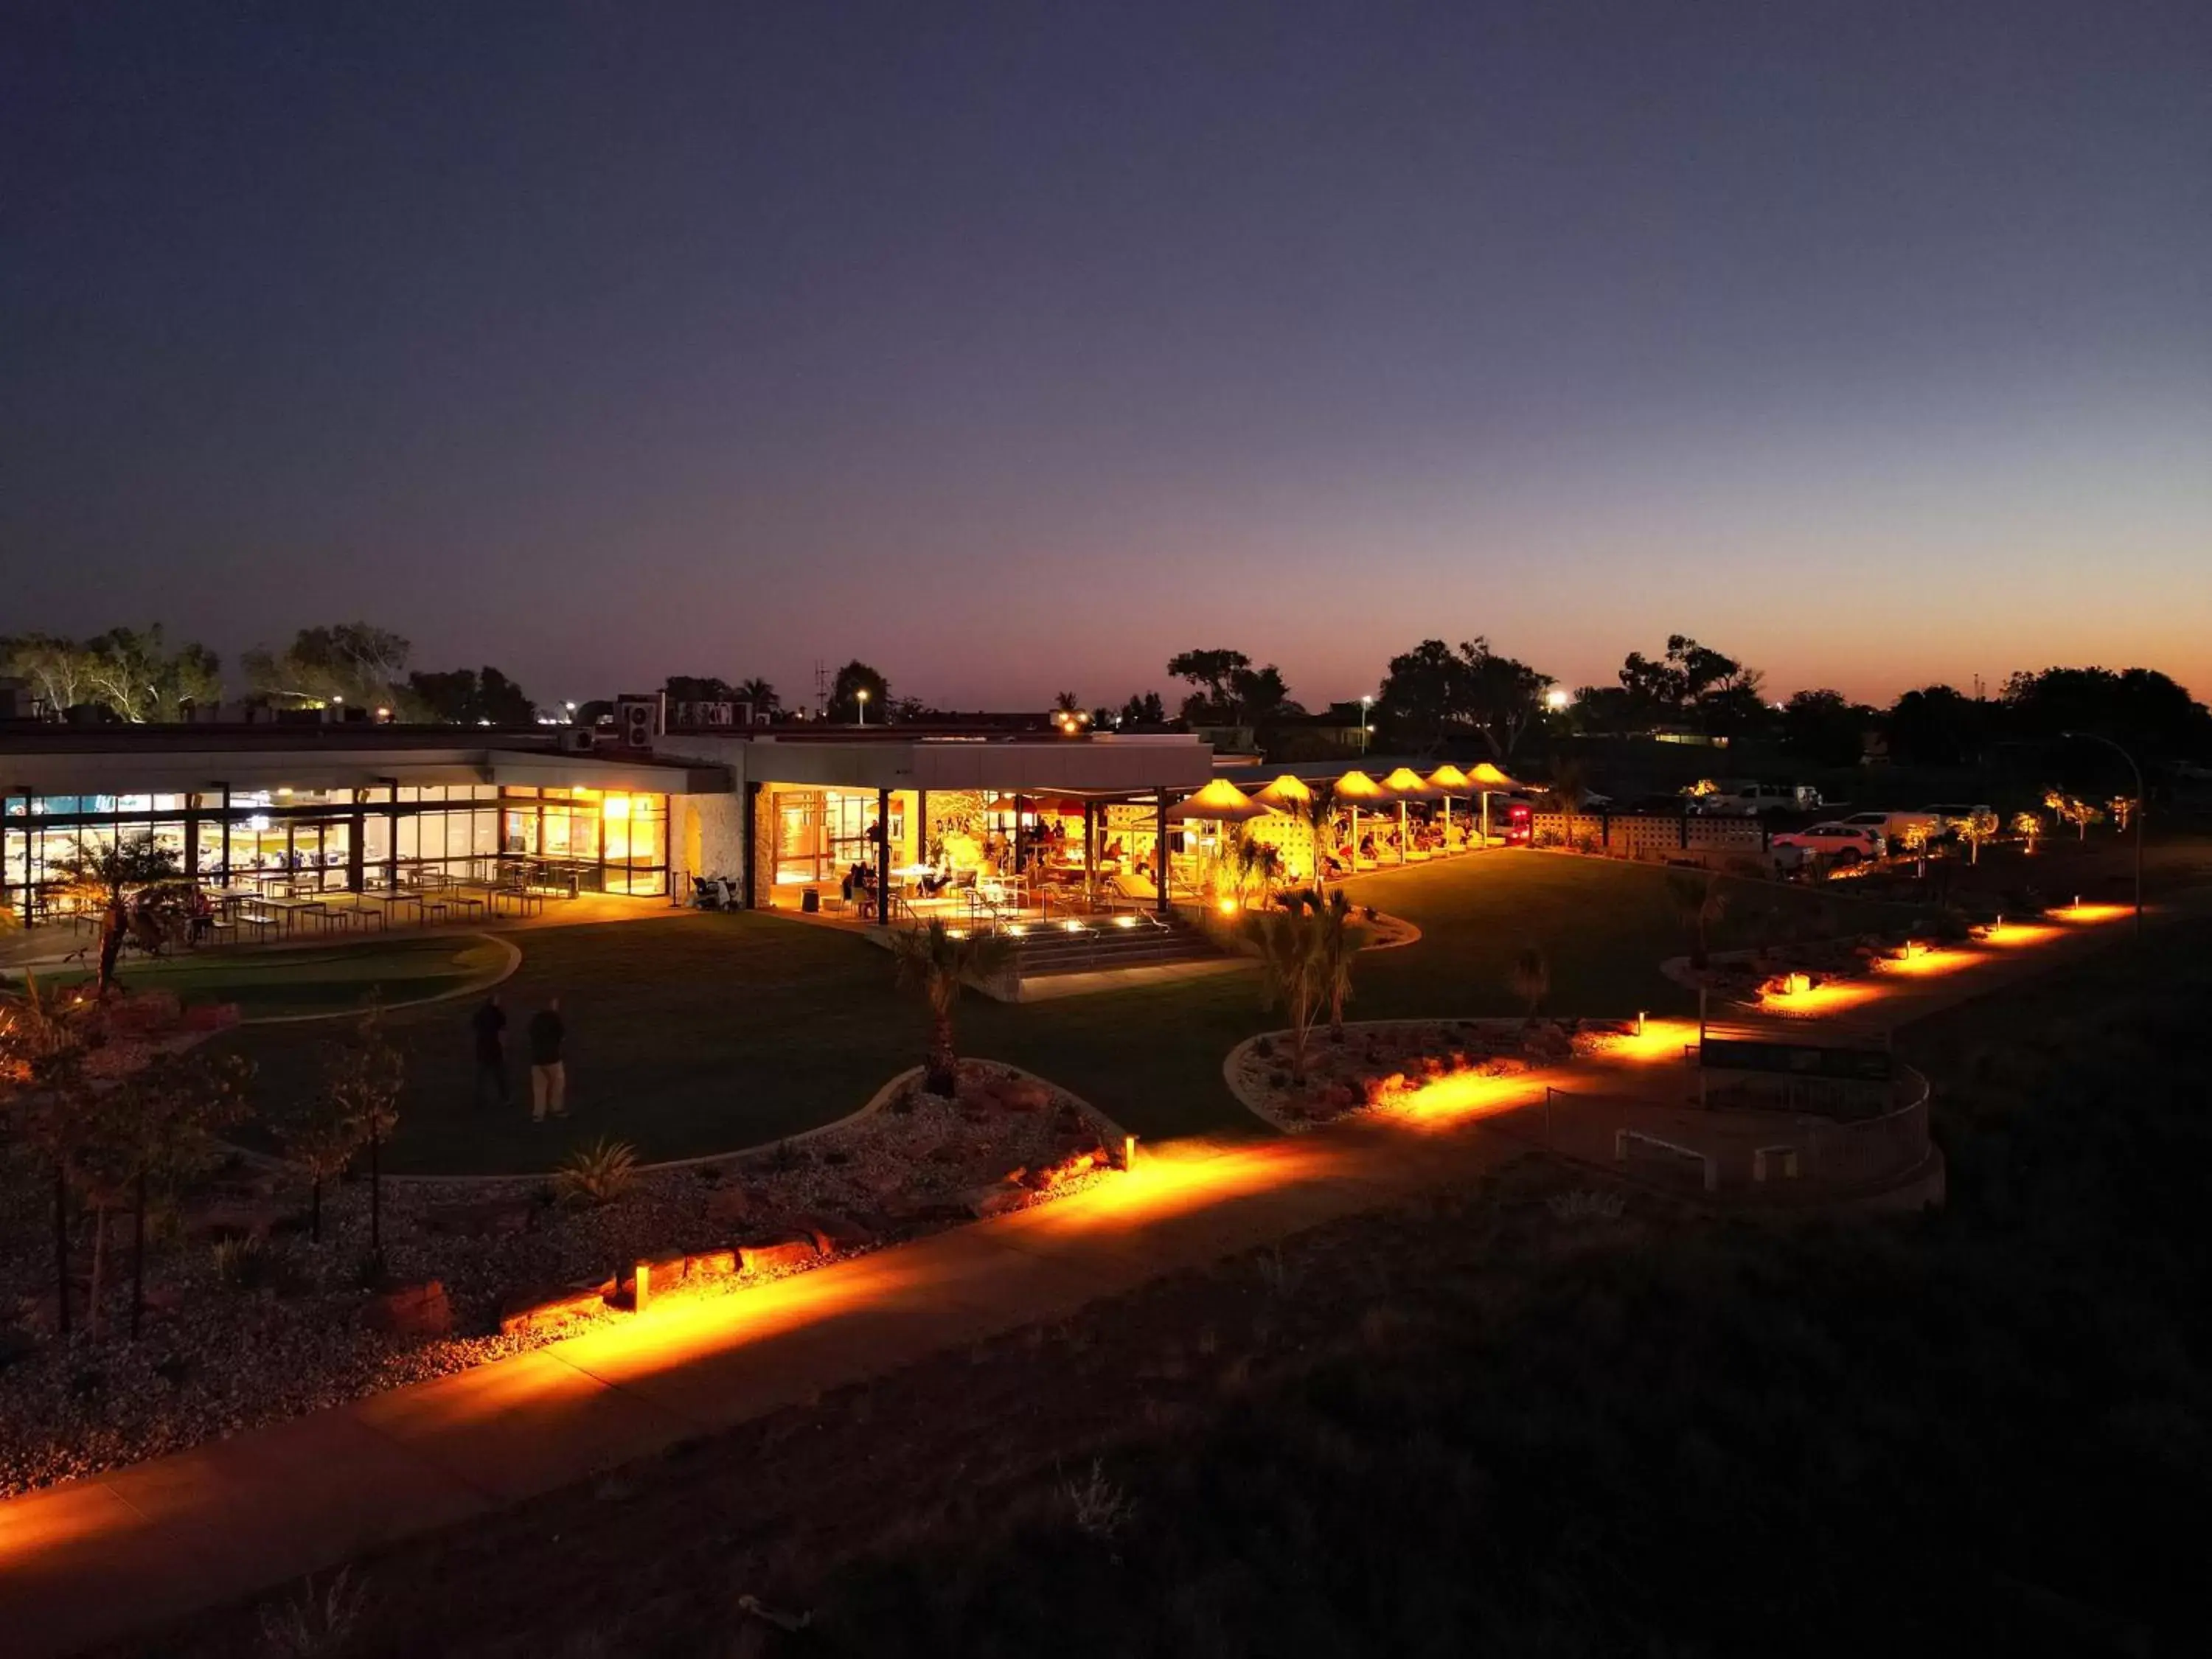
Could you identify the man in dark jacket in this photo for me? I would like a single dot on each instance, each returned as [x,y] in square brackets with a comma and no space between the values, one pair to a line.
[548,1079]
[490,1022]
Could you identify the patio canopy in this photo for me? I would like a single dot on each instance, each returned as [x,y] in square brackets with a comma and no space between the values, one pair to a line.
[1486,776]
[1407,784]
[1449,780]
[1287,794]
[1220,800]
[1355,787]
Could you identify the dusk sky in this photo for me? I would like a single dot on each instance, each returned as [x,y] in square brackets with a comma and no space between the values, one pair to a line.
[1015,347]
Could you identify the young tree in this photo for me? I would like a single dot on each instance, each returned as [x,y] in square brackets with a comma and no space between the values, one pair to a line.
[2122,808]
[157,1123]
[2072,810]
[2028,826]
[44,1037]
[1531,979]
[133,875]
[1975,829]
[1699,903]
[934,961]
[365,1075]
[322,1135]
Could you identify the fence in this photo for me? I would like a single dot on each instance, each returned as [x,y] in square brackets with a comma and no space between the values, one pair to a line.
[1874,1149]
[1650,835]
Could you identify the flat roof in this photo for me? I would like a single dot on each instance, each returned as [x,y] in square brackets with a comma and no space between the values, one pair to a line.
[1100,765]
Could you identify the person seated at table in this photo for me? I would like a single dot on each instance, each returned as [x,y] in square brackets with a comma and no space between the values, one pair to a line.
[934,882]
[202,915]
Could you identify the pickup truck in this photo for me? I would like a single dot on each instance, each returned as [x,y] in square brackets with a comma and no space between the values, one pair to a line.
[1746,798]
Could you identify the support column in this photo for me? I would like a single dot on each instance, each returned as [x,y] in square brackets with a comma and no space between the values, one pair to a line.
[392,835]
[921,827]
[192,839]
[1160,850]
[748,833]
[356,853]
[1090,854]
[883,856]
[223,867]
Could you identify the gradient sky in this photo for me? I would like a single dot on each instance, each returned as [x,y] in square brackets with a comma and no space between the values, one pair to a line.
[1013,347]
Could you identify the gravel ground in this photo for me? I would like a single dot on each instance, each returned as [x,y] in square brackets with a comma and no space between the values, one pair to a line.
[240,1335]
[1373,1065]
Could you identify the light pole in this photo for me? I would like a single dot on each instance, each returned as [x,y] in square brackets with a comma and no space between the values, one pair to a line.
[861,697]
[2143,804]
[1365,703]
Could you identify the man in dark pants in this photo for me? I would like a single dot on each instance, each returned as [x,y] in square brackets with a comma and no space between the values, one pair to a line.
[489,1022]
[549,1077]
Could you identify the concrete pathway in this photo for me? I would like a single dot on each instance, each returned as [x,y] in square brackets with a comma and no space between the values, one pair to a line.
[104,1557]
[101,1558]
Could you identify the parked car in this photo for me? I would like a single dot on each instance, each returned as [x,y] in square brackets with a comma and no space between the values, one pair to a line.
[1897,826]
[1846,843]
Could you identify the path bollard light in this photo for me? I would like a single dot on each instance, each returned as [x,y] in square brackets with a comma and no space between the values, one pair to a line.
[1639,1022]
[1129,1152]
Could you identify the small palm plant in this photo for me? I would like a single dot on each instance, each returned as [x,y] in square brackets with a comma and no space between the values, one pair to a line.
[1334,947]
[934,961]
[1531,979]
[599,1173]
[1318,812]
[1290,950]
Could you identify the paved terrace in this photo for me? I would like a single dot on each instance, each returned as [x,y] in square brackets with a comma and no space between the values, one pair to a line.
[101,1558]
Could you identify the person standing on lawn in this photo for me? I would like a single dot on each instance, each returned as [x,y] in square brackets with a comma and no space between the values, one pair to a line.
[489,1022]
[549,1077]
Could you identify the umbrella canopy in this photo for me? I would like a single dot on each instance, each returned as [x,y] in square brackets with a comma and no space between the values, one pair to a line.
[1449,780]
[1486,776]
[1356,786]
[1286,794]
[1220,800]
[1408,785]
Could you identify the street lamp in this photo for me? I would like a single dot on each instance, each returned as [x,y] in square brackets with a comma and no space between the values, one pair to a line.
[1557,699]
[861,696]
[1365,704]
[2142,803]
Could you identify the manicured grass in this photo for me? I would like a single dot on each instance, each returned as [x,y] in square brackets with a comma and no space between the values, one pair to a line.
[694,1034]
[315,978]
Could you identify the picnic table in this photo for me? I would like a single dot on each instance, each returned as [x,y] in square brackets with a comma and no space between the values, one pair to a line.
[298,910]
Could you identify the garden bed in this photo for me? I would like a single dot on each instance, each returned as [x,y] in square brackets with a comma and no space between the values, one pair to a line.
[1382,1066]
[248,1322]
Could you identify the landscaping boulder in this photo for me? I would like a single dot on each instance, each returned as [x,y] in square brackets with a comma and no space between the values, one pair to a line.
[710,1264]
[420,1311]
[548,1307]
[832,1233]
[777,1254]
[729,1206]
[997,1199]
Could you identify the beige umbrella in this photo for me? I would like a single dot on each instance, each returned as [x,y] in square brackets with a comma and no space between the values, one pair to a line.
[1486,778]
[1406,785]
[1448,781]
[1355,787]
[1221,800]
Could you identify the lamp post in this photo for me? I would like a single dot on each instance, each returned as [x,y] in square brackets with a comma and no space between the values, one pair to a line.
[1365,703]
[2143,804]
[861,697]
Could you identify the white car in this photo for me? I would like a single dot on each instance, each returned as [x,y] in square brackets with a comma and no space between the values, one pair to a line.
[1896,826]
[1748,799]
[1846,843]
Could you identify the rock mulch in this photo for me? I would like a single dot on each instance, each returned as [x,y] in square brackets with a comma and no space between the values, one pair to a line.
[248,1322]
[1378,1065]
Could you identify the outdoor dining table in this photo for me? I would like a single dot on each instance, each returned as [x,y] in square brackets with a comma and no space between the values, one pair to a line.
[298,910]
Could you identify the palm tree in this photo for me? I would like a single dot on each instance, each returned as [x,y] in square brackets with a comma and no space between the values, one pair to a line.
[1067,703]
[1530,978]
[934,961]
[1700,902]
[760,695]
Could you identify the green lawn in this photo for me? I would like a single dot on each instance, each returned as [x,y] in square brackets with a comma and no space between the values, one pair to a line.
[315,978]
[696,1034]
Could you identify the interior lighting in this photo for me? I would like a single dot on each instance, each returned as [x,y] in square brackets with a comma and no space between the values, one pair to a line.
[1073,926]
[1125,921]
[1227,907]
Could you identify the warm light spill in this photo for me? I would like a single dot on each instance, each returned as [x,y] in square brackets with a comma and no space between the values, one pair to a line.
[1927,964]
[1660,1040]
[1822,1000]
[2078,912]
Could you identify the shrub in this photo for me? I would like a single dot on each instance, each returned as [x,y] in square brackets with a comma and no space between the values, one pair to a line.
[311,1624]
[598,1174]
